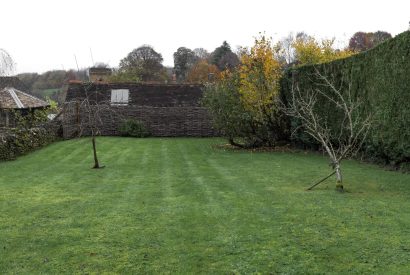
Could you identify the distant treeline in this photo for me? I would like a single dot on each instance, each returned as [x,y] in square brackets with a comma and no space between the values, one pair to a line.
[51,84]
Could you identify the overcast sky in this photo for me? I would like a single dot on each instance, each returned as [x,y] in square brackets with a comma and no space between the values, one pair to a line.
[44,35]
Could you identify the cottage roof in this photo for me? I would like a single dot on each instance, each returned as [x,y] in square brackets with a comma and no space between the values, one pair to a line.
[11,98]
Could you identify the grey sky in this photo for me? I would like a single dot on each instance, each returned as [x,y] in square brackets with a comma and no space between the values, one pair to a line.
[43,35]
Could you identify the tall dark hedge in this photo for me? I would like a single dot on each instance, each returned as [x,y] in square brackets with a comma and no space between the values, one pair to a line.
[380,78]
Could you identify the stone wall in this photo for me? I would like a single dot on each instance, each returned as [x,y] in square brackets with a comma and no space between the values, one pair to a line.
[160,121]
[99,74]
[166,110]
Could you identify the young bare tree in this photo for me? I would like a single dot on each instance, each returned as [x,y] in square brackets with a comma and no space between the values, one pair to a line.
[350,126]
[89,113]
[6,63]
[91,121]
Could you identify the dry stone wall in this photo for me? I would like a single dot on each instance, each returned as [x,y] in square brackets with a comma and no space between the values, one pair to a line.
[165,110]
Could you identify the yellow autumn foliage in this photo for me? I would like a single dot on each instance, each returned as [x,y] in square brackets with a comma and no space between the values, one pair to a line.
[259,73]
[312,51]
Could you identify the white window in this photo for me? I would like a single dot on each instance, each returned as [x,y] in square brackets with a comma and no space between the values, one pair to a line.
[119,96]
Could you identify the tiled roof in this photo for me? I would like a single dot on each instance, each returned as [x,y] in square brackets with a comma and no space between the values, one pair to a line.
[11,98]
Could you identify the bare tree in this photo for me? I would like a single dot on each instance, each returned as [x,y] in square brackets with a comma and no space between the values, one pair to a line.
[92,121]
[350,126]
[89,113]
[286,47]
[6,63]
[286,51]
[201,54]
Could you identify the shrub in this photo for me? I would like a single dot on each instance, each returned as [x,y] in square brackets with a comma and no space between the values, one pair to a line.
[133,128]
[32,131]
[241,126]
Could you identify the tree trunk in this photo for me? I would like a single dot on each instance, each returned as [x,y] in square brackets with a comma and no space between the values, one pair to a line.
[96,164]
[233,143]
[339,181]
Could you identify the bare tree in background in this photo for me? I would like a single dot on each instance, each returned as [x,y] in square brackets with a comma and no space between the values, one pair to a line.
[352,122]
[201,54]
[286,50]
[6,63]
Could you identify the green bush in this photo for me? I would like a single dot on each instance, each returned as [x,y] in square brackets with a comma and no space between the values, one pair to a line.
[239,126]
[32,130]
[380,77]
[133,128]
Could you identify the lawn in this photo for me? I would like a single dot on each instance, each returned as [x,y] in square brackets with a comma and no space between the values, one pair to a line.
[186,206]
[49,92]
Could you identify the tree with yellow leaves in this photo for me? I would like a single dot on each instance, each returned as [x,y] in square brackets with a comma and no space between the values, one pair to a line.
[260,73]
[259,76]
[244,102]
[308,50]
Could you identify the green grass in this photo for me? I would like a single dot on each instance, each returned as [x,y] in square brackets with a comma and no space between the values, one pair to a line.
[49,92]
[183,206]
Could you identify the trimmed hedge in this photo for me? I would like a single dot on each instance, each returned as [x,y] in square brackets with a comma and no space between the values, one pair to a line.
[14,143]
[381,78]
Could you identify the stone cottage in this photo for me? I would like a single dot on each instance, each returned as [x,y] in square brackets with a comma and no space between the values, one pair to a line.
[13,100]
